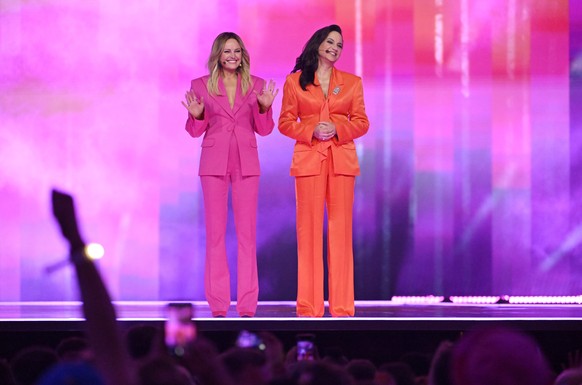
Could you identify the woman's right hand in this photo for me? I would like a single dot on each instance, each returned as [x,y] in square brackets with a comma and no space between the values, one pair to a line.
[194,105]
[324,131]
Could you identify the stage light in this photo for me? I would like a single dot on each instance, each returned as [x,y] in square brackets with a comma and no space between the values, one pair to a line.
[418,300]
[94,251]
[487,300]
[475,299]
[544,299]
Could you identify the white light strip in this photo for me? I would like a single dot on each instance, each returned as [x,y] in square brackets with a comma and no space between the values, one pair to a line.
[475,299]
[545,299]
[438,39]
[358,50]
[465,48]
[485,300]
[424,300]
[511,38]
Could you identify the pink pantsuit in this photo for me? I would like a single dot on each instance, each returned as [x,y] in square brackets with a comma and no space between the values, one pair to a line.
[229,156]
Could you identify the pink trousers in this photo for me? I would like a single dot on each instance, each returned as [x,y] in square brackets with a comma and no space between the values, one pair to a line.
[244,203]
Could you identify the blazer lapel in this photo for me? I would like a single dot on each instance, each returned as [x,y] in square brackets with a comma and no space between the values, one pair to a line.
[240,99]
[336,86]
[222,99]
[315,89]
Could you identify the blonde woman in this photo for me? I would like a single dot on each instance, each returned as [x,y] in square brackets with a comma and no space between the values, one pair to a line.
[229,106]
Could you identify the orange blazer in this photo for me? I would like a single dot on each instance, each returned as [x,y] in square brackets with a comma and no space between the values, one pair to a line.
[302,110]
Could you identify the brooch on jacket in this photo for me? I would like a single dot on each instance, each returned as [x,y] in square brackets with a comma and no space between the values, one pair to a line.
[336,90]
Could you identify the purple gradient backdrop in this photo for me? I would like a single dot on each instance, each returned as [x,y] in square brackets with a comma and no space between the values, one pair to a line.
[469,169]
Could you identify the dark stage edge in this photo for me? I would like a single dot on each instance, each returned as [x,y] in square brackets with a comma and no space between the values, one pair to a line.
[381,331]
[280,316]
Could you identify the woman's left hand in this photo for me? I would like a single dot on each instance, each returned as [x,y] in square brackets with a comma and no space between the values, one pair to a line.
[324,131]
[267,95]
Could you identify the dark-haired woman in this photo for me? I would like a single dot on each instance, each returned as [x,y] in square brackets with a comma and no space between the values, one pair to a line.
[323,110]
[229,106]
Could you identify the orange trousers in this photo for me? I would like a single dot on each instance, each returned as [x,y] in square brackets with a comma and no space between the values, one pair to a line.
[313,194]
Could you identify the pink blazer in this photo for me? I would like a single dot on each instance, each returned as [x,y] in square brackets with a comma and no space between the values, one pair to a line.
[220,121]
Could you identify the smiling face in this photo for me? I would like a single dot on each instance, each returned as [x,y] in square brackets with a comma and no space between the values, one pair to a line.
[331,48]
[231,55]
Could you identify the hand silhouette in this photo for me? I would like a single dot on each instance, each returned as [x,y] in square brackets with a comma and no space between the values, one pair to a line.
[64,212]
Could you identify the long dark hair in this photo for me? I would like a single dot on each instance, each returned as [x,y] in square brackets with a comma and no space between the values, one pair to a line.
[308,61]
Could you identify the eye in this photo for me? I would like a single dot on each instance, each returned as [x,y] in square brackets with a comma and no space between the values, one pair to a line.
[237,50]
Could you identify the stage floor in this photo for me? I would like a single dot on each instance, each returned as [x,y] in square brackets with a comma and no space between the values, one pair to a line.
[381,330]
[370,315]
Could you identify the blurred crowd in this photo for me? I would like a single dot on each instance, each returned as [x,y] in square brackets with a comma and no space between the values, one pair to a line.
[488,355]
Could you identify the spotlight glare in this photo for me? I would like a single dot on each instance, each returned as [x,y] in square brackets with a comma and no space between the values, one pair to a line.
[94,251]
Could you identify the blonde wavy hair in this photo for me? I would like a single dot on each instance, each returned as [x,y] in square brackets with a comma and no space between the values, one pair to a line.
[215,67]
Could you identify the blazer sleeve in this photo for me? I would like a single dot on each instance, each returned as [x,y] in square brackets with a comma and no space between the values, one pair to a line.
[264,123]
[288,124]
[357,124]
[196,127]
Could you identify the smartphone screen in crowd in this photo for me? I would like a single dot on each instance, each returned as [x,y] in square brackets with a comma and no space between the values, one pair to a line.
[248,339]
[179,327]
[305,347]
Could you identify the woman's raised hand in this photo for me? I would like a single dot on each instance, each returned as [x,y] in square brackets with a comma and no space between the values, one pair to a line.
[267,95]
[193,104]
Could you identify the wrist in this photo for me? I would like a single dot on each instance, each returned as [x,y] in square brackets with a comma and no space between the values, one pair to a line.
[79,255]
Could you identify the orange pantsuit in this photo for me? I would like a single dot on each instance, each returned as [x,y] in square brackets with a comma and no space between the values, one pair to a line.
[324,174]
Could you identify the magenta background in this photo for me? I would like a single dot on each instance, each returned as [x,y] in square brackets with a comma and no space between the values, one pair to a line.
[470,169]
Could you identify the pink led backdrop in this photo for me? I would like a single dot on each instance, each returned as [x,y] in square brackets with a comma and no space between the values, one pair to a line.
[470,169]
